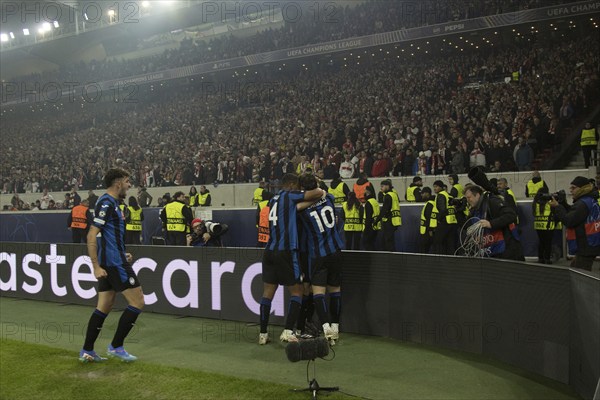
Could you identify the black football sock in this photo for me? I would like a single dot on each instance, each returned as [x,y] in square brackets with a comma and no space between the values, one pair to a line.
[293,312]
[126,323]
[93,329]
[321,308]
[302,317]
[265,312]
[335,306]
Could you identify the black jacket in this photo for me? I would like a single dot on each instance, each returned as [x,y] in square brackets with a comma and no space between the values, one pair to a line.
[575,217]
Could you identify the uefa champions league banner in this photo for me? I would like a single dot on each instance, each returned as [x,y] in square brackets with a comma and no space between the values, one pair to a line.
[211,282]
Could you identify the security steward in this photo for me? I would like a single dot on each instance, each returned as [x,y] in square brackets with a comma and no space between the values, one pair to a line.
[79,222]
[262,219]
[176,217]
[338,189]
[353,221]
[428,221]
[204,199]
[444,238]
[133,224]
[582,221]
[534,184]
[456,190]
[258,193]
[372,220]
[360,186]
[588,143]
[390,215]
[413,192]
[544,224]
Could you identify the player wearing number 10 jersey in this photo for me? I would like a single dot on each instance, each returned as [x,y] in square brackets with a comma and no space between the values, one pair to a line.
[280,260]
[324,243]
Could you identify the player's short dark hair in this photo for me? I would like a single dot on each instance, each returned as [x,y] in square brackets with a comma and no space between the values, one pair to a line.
[289,180]
[308,182]
[113,174]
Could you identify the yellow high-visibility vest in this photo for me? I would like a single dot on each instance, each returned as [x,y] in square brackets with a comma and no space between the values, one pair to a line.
[175,219]
[395,217]
[588,137]
[135,219]
[542,221]
[338,193]
[352,222]
[432,223]
[410,194]
[257,198]
[451,216]
[375,206]
[533,188]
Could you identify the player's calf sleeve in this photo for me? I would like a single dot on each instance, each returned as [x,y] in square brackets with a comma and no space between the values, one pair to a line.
[293,312]
[335,306]
[321,308]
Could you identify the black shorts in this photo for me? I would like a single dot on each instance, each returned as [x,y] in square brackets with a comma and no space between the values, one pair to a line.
[305,266]
[281,267]
[118,279]
[327,271]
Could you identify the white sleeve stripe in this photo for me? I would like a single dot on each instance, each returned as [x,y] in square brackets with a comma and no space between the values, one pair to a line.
[99,221]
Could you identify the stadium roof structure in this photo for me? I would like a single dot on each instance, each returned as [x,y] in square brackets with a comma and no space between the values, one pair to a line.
[71,39]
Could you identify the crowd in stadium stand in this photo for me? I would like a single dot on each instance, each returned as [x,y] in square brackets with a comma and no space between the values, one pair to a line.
[317,25]
[387,118]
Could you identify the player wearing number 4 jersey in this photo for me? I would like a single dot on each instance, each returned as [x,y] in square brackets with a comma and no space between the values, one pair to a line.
[280,259]
[324,243]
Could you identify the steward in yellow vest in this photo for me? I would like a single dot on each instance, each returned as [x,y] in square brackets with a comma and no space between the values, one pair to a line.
[544,224]
[428,221]
[204,199]
[534,185]
[338,189]
[588,142]
[413,193]
[133,222]
[390,215]
[176,217]
[372,221]
[194,197]
[353,221]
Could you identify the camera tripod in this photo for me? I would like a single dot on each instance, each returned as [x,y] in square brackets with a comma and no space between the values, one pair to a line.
[313,385]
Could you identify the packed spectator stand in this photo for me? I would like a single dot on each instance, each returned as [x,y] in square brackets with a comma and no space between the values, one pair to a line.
[390,117]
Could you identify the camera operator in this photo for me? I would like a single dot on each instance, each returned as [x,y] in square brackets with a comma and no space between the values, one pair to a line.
[206,233]
[498,221]
[582,221]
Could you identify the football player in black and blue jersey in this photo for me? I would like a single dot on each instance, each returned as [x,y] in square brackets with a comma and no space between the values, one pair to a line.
[324,244]
[112,268]
[281,257]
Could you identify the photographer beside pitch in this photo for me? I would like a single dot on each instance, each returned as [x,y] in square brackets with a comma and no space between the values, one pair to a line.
[498,220]
[206,233]
[582,221]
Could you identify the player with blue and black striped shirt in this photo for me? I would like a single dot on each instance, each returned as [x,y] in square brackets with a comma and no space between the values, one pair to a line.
[281,257]
[324,243]
[112,268]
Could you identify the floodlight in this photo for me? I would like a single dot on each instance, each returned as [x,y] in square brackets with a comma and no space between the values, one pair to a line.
[46,26]
[145,4]
[3,37]
[56,25]
[26,32]
[12,35]
[111,13]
